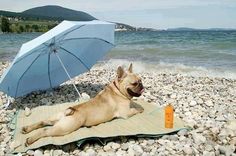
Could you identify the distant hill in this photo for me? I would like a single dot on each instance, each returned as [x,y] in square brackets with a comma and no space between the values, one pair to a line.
[194,29]
[59,13]
[52,12]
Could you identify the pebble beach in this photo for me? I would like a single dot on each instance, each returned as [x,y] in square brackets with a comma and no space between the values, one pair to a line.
[207,105]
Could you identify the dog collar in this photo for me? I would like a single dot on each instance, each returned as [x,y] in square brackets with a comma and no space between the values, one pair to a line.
[114,83]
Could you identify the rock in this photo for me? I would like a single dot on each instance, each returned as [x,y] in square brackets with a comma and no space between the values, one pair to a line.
[231,125]
[2,153]
[82,153]
[183,132]
[233,141]
[173,96]
[14,144]
[46,151]
[188,114]
[27,111]
[91,152]
[209,148]
[173,138]
[209,103]
[85,96]
[115,146]
[193,103]
[220,118]
[200,101]
[137,149]
[124,146]
[57,152]
[1,102]
[131,152]
[198,138]
[44,101]
[46,154]
[30,152]
[226,132]
[215,130]
[226,150]
[206,153]
[187,150]
[38,153]
[107,148]
[7,139]
[150,142]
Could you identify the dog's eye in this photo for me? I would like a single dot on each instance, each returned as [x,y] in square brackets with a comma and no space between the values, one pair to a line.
[135,83]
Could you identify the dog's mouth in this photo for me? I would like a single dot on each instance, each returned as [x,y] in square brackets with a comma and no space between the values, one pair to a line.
[135,94]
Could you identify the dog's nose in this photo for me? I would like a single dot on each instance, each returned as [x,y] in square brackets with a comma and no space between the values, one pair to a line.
[141,85]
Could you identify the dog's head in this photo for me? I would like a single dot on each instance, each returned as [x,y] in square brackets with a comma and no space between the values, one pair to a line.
[129,84]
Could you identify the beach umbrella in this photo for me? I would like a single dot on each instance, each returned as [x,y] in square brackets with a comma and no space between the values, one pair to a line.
[60,54]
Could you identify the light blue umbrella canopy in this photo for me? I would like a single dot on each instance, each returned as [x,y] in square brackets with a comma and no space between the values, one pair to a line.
[40,64]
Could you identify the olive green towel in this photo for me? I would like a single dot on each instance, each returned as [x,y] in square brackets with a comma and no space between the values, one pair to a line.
[150,123]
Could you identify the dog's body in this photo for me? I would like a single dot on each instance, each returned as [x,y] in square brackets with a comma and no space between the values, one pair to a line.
[112,102]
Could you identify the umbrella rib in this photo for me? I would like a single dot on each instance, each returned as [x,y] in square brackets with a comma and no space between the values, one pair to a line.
[40,49]
[49,75]
[83,38]
[75,57]
[64,35]
[24,73]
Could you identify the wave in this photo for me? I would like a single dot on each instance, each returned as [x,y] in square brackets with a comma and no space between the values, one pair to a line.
[168,68]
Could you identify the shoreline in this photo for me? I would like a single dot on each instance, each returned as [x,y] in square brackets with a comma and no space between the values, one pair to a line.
[207,105]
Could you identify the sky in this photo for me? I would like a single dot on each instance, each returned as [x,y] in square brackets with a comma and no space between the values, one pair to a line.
[158,14]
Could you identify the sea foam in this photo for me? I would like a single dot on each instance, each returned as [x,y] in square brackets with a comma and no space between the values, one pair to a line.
[169,68]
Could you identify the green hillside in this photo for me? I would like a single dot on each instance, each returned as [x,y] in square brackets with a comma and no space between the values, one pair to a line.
[41,19]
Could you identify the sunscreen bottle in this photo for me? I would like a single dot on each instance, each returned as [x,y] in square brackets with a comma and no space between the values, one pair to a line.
[169,116]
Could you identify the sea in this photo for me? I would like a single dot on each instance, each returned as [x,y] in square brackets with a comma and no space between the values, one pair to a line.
[194,53]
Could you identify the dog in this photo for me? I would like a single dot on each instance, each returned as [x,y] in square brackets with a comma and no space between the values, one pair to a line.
[114,101]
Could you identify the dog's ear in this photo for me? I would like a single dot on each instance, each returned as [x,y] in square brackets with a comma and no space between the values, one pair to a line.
[130,68]
[120,72]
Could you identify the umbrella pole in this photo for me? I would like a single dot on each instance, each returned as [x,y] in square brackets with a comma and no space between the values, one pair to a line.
[73,83]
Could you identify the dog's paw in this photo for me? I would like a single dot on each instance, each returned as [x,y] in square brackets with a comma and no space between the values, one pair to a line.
[140,110]
[28,142]
[24,130]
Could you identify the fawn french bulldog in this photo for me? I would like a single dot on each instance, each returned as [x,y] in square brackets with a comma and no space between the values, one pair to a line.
[114,101]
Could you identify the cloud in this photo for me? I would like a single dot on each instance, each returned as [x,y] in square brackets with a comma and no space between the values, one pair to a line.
[146,13]
[115,5]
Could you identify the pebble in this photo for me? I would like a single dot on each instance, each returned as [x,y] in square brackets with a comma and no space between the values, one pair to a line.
[137,149]
[44,101]
[57,152]
[107,148]
[131,152]
[183,132]
[150,142]
[31,152]
[125,146]
[231,125]
[187,150]
[211,116]
[209,103]
[193,103]
[115,146]
[91,152]
[198,138]
[38,153]
[27,111]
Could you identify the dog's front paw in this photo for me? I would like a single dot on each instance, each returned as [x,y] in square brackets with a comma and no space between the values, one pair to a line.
[140,109]
[25,130]
[28,142]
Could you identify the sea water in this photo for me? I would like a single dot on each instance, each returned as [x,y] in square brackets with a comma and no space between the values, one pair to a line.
[198,53]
